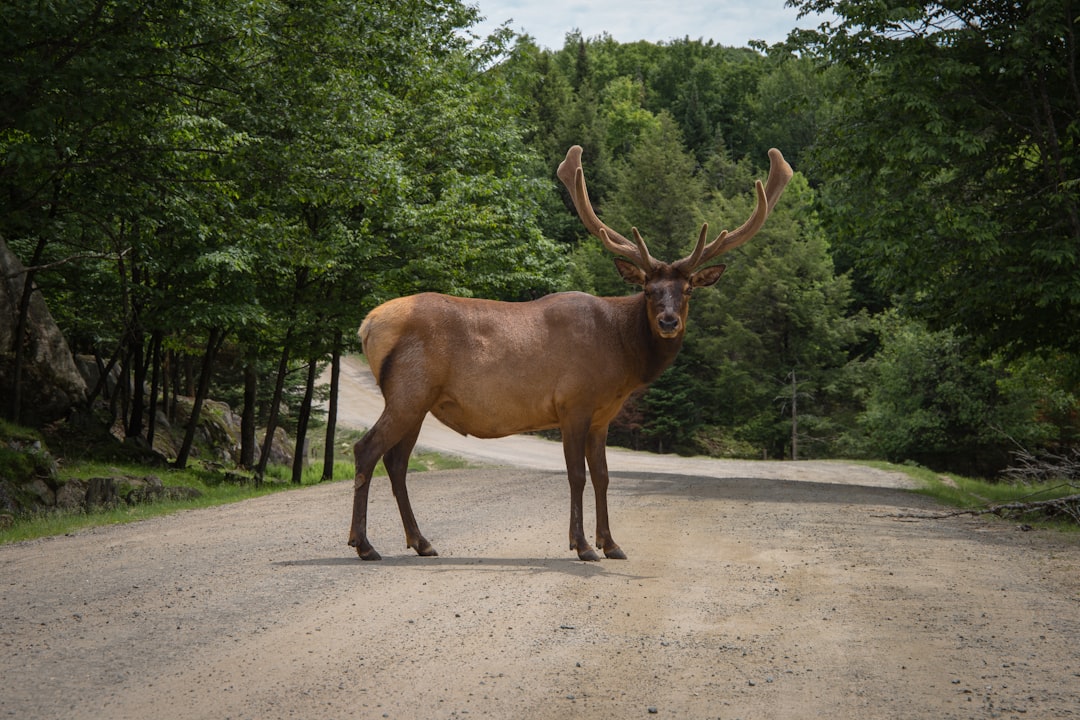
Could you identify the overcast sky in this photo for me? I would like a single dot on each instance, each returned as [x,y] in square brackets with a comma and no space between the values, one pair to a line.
[727,22]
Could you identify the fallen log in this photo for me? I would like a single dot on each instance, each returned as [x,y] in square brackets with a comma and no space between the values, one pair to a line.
[1068,505]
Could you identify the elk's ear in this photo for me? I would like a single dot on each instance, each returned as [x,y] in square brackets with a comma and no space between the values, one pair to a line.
[708,276]
[630,272]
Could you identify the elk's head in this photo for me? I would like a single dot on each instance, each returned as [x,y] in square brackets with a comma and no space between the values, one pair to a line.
[667,286]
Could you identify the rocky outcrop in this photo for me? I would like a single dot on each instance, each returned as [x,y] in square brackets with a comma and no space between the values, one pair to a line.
[29,483]
[217,437]
[51,384]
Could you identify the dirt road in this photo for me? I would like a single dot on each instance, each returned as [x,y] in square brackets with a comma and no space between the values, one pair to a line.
[753,590]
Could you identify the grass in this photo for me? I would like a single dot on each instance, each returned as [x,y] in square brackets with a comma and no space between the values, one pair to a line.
[967,493]
[215,490]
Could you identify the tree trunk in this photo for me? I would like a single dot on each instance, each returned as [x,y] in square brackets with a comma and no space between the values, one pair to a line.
[155,381]
[247,417]
[331,414]
[104,370]
[135,337]
[299,457]
[213,344]
[137,402]
[172,371]
[794,418]
[189,375]
[271,420]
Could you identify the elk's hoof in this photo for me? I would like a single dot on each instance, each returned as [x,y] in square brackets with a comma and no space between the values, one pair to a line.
[588,554]
[368,553]
[615,553]
[425,550]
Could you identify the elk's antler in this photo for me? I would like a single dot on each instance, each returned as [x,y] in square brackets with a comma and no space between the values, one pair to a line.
[767,195]
[573,177]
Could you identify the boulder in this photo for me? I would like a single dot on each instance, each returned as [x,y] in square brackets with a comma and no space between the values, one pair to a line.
[217,439]
[71,495]
[51,384]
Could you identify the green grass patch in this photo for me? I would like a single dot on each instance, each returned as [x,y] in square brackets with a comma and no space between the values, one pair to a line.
[212,483]
[967,493]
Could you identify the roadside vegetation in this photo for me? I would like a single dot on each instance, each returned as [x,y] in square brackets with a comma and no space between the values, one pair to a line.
[1046,503]
[213,486]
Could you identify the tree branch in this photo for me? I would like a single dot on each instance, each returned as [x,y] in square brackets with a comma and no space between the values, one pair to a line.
[65,261]
[1068,505]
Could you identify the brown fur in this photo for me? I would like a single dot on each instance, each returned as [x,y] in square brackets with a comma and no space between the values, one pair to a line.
[490,369]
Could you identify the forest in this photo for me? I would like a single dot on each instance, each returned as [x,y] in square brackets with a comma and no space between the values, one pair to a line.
[211,196]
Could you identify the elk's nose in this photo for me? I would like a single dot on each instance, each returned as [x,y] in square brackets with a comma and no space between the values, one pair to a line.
[668,323]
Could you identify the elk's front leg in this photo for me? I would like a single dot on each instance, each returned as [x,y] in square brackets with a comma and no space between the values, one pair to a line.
[574,452]
[596,454]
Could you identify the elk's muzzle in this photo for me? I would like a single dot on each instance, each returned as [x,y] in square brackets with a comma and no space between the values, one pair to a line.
[668,325]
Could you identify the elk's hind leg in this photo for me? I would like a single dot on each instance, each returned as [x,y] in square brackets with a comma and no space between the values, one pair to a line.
[366,453]
[408,397]
[397,465]
[386,432]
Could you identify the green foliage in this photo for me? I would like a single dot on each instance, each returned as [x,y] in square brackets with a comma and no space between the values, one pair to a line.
[949,169]
[931,402]
[779,308]
[657,192]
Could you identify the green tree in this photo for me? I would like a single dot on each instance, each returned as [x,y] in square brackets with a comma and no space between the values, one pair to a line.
[658,191]
[623,116]
[788,104]
[101,155]
[931,402]
[780,308]
[949,166]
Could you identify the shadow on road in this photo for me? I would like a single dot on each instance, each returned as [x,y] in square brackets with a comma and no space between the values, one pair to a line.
[568,566]
[741,489]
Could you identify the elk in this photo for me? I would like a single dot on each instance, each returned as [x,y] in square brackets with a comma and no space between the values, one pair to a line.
[567,360]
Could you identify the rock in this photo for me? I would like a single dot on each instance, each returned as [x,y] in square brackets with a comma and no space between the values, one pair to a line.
[218,436]
[28,474]
[219,431]
[51,384]
[111,491]
[239,478]
[182,493]
[100,492]
[90,371]
[71,495]
[40,493]
[281,450]
[141,490]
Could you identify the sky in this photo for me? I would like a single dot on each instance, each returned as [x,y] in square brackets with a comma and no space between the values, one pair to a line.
[727,22]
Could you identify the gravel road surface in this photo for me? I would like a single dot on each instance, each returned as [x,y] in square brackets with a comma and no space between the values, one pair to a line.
[752,590]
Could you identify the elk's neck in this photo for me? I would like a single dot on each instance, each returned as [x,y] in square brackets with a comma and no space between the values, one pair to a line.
[658,353]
